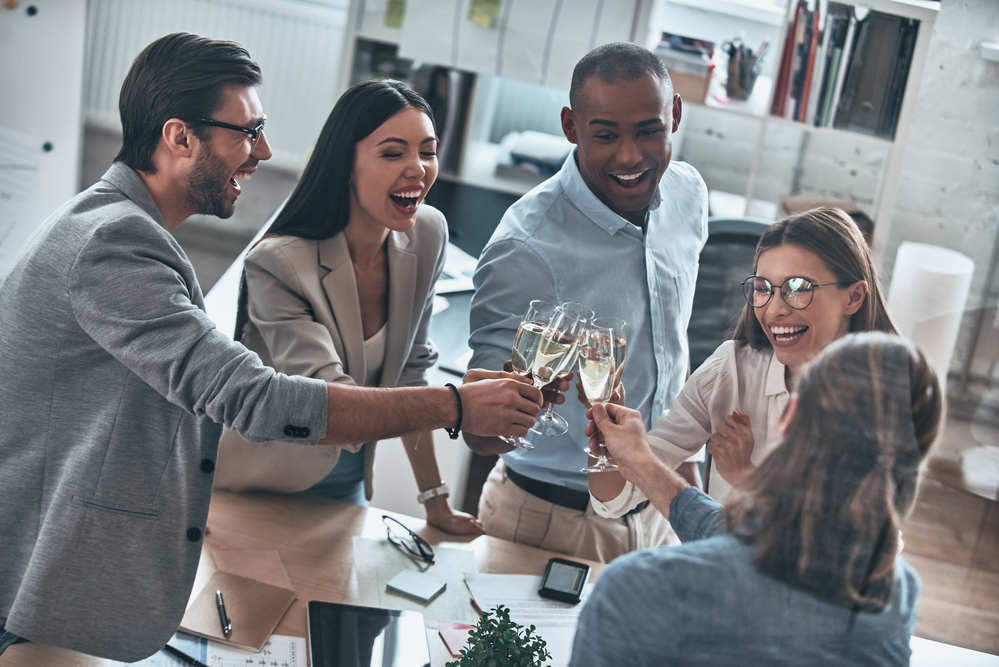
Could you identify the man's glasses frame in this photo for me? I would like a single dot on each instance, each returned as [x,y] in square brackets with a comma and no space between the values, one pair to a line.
[402,537]
[253,133]
[795,286]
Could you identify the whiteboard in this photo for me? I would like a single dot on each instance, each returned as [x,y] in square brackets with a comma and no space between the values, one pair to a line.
[41,85]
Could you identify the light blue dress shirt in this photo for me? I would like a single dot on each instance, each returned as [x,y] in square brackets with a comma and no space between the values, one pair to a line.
[706,603]
[560,243]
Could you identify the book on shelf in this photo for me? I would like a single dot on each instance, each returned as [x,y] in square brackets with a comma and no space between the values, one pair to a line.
[844,68]
[784,73]
[821,62]
[812,39]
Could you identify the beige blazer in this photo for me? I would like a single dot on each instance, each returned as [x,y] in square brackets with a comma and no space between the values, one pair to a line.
[305,319]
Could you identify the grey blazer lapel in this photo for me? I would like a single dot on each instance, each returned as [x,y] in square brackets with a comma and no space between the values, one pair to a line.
[402,319]
[341,291]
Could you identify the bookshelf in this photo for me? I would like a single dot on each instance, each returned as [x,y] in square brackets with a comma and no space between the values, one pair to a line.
[891,133]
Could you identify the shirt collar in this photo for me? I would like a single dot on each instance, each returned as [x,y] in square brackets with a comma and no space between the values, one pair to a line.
[127,180]
[776,374]
[589,204]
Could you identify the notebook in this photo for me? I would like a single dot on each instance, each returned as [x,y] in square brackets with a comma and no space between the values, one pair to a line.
[254,609]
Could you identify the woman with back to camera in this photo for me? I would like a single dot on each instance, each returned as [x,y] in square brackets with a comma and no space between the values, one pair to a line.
[341,288]
[802,565]
[814,281]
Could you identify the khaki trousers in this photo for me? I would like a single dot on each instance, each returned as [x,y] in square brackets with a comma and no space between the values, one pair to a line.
[509,512]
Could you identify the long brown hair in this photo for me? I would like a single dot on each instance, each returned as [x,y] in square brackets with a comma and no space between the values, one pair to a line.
[836,239]
[823,509]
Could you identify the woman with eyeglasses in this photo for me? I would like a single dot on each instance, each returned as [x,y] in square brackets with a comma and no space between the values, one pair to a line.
[342,287]
[802,565]
[814,281]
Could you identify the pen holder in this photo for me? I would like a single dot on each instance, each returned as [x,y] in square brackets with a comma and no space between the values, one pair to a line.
[743,68]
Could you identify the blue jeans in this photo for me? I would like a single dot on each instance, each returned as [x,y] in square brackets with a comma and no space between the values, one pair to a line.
[7,638]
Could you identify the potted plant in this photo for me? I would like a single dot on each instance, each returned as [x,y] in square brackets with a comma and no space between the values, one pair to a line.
[497,641]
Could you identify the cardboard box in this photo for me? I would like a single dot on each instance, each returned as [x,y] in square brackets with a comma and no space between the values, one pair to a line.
[691,87]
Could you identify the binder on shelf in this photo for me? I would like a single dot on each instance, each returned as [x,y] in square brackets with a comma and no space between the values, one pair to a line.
[844,65]
[837,20]
[866,100]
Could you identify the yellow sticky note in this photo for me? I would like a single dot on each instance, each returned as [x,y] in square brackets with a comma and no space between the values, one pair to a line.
[394,12]
[484,13]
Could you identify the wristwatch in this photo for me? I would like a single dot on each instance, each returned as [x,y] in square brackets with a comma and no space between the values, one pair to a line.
[433,492]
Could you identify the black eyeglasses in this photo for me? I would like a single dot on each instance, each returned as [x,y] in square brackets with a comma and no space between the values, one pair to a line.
[252,132]
[796,291]
[401,536]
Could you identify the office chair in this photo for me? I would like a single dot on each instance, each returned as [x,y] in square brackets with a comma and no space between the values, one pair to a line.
[726,260]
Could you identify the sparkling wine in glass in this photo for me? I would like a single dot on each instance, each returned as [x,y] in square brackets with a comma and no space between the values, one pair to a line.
[602,350]
[525,345]
[556,352]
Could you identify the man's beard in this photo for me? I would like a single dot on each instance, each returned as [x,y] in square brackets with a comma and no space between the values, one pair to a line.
[208,184]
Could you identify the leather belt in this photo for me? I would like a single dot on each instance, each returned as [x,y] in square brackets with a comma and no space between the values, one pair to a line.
[558,495]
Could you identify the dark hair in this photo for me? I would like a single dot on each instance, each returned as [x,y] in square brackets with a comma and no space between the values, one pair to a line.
[178,76]
[615,62]
[823,510]
[836,239]
[319,206]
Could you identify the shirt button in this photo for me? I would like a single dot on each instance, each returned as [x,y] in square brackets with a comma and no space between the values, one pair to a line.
[194,534]
[207,465]
[659,349]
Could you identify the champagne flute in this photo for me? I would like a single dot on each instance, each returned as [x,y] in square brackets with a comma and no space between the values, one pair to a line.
[556,352]
[602,350]
[525,344]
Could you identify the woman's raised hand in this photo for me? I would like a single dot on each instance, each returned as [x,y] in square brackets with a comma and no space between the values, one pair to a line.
[731,448]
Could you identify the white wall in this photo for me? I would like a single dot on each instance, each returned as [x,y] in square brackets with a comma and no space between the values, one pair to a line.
[41,79]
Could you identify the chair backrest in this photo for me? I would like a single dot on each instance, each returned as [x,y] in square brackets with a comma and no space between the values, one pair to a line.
[726,260]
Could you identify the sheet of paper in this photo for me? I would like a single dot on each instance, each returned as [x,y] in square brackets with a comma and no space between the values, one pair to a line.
[555,621]
[377,561]
[280,651]
[20,163]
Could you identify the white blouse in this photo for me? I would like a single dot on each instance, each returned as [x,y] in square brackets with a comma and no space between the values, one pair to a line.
[735,377]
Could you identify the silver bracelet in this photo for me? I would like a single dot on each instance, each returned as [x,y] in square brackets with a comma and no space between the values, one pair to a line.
[441,490]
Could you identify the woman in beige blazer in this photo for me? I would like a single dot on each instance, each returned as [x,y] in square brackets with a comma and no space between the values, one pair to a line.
[342,289]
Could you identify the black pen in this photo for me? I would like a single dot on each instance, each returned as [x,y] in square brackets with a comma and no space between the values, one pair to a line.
[223,616]
[188,660]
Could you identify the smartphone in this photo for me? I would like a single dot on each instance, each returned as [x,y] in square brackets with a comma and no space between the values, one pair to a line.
[563,580]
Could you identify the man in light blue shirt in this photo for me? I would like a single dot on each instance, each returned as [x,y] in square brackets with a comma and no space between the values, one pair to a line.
[619,229]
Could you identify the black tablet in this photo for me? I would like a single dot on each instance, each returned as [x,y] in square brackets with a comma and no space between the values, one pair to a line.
[344,635]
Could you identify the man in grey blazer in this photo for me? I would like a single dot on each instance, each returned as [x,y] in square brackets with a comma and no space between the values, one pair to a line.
[115,384]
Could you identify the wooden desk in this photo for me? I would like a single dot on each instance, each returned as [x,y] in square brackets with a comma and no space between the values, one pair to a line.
[313,538]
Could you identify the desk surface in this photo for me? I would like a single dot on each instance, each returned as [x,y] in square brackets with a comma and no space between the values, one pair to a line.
[314,539]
